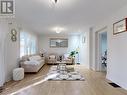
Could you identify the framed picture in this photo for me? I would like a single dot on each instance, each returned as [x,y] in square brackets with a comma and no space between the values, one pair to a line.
[58,43]
[120,26]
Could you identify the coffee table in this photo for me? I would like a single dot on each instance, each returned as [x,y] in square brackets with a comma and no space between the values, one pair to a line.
[61,66]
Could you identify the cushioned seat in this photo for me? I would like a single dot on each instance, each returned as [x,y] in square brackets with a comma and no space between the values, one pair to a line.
[18,74]
[33,63]
[68,59]
[52,59]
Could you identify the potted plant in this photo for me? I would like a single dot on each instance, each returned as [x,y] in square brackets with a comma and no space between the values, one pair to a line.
[73,53]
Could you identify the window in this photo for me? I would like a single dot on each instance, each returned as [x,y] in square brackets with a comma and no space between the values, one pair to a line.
[28,44]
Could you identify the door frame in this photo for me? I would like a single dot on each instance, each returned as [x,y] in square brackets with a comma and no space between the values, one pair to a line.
[98,48]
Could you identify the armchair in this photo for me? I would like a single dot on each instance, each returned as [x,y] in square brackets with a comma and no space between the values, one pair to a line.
[68,59]
[52,59]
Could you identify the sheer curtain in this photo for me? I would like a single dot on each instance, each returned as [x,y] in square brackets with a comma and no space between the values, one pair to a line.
[28,44]
[2,64]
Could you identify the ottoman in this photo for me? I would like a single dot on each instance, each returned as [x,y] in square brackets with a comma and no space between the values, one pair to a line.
[18,74]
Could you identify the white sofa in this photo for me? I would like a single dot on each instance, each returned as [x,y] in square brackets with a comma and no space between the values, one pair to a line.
[32,64]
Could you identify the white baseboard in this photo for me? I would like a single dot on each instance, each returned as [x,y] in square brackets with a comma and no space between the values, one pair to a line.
[124,86]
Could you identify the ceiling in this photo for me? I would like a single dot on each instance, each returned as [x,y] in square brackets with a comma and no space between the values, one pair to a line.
[73,15]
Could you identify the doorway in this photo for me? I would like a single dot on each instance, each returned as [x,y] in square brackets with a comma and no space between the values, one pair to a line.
[101,51]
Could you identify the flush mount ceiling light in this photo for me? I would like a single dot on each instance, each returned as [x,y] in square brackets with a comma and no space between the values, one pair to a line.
[58,29]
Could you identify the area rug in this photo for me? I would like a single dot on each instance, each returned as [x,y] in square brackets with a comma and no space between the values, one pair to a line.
[68,75]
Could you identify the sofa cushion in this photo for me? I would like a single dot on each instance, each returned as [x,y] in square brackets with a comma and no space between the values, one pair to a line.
[25,58]
[32,62]
[52,57]
[66,56]
[35,58]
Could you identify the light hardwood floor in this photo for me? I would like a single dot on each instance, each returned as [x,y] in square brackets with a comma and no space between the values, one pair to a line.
[94,84]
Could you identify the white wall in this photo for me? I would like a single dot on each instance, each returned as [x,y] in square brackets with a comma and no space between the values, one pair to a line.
[84,49]
[11,49]
[44,44]
[117,47]
[74,41]
[11,52]
[2,65]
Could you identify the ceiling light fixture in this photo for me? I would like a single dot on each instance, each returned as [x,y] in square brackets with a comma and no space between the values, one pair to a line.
[58,29]
[55,1]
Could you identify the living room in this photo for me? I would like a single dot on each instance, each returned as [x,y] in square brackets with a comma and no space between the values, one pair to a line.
[75,42]
[51,47]
[38,44]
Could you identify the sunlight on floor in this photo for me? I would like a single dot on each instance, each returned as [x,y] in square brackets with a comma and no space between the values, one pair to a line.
[37,83]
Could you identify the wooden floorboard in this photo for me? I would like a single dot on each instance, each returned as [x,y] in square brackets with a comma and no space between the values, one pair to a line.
[94,84]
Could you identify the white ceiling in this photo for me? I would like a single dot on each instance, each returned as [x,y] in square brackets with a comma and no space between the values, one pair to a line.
[73,15]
